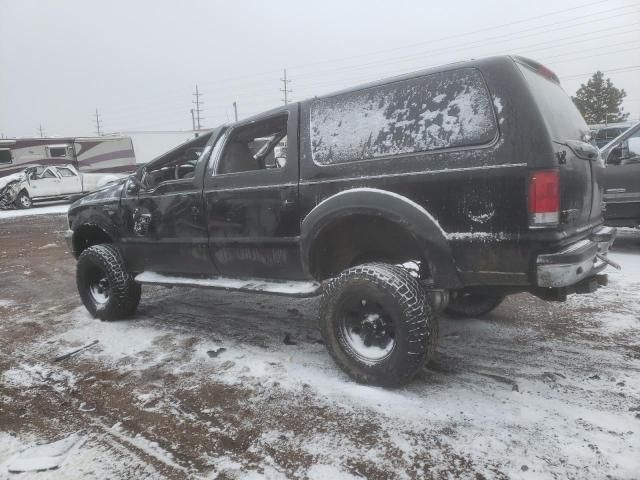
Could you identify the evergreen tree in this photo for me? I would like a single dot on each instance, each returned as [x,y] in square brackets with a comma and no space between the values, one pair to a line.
[600,101]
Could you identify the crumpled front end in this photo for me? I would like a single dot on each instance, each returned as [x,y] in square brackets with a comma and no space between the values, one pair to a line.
[10,190]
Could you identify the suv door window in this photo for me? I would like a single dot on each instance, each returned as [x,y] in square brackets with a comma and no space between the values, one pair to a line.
[257,146]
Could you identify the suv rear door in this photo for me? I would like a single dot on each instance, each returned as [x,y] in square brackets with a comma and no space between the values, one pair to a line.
[578,161]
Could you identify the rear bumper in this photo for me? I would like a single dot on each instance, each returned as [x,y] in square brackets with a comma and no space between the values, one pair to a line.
[575,262]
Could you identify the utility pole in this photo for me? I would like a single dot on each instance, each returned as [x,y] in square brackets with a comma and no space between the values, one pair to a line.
[285,90]
[193,120]
[197,103]
[235,111]
[41,131]
[98,129]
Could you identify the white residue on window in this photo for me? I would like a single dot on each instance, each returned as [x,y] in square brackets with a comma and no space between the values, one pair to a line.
[437,111]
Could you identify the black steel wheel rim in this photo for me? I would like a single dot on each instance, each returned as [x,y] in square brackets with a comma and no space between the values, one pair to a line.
[366,328]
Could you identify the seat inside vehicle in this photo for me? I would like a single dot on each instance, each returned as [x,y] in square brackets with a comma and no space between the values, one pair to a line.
[252,147]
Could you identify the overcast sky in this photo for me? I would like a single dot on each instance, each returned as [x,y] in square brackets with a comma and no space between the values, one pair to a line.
[137,62]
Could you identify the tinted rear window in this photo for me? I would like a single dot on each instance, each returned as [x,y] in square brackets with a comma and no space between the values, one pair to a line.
[560,114]
[441,110]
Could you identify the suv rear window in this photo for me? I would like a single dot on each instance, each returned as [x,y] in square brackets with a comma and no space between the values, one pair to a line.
[562,117]
[441,110]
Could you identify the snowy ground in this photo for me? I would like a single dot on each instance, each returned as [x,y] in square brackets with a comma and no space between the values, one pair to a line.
[534,390]
[40,209]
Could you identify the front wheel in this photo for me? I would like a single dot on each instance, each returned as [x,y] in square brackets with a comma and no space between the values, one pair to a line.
[24,200]
[377,324]
[472,304]
[106,288]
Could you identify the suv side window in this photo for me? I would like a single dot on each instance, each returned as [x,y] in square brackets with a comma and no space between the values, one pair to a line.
[432,112]
[257,146]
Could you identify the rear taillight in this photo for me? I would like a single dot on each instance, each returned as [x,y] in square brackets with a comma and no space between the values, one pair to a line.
[548,74]
[544,198]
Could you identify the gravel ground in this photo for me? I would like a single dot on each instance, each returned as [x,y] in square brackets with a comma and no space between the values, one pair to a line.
[533,390]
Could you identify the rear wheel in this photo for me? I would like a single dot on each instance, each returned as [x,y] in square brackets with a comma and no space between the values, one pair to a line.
[472,304]
[106,288]
[23,200]
[377,324]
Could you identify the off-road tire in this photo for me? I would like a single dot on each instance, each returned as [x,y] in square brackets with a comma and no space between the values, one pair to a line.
[415,326]
[472,304]
[124,294]
[23,201]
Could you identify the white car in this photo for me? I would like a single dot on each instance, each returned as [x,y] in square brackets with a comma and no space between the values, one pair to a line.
[57,182]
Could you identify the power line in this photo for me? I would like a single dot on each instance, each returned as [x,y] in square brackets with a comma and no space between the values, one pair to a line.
[483,42]
[285,90]
[630,68]
[466,45]
[528,47]
[463,46]
[199,110]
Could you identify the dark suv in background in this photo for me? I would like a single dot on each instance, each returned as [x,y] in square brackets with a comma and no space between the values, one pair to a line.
[621,179]
[447,188]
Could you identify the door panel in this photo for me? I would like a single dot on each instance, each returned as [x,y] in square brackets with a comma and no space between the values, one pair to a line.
[69,182]
[622,180]
[47,184]
[253,216]
[164,228]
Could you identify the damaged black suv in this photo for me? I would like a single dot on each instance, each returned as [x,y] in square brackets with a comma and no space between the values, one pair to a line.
[445,189]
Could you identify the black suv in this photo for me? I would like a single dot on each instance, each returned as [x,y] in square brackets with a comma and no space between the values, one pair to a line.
[448,188]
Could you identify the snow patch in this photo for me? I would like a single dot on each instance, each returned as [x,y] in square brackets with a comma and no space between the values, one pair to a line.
[28,376]
[44,457]
[324,472]
[250,284]
[49,210]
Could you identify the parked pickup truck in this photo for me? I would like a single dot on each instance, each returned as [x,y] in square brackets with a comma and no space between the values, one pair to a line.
[40,183]
[621,179]
[445,189]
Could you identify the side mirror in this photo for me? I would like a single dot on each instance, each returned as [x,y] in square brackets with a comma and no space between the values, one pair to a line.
[135,184]
[615,156]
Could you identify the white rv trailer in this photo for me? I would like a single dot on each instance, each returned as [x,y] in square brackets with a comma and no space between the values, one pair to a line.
[113,154]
